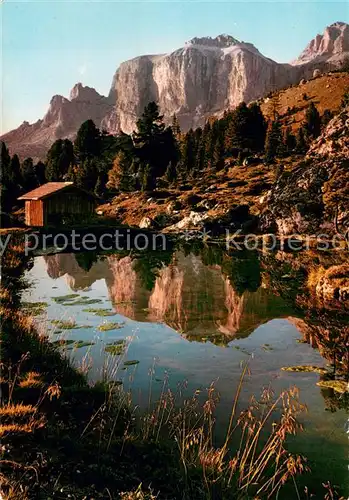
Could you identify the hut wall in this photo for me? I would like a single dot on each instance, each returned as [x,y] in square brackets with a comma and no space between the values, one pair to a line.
[34,213]
[67,203]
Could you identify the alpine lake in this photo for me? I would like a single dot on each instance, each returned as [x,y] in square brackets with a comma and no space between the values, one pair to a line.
[193,315]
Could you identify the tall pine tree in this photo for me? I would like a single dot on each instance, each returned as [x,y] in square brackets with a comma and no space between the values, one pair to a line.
[273,141]
[312,122]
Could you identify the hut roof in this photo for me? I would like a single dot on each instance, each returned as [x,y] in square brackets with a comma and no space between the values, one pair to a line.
[45,190]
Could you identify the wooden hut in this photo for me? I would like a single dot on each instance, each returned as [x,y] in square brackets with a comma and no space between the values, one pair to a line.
[56,202]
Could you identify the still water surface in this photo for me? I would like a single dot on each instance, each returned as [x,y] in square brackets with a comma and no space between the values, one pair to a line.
[195,319]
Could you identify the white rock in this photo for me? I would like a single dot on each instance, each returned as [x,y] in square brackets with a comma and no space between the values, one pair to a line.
[145,223]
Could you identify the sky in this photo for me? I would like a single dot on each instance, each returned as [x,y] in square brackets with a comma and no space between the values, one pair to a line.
[48,46]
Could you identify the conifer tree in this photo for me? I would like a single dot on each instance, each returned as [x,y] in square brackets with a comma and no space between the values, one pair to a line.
[273,141]
[28,175]
[312,123]
[148,178]
[188,153]
[218,152]
[176,129]
[99,188]
[326,117]
[5,159]
[58,160]
[171,173]
[289,140]
[88,141]
[257,128]
[301,145]
[345,99]
[154,144]
[39,170]
[120,176]
[207,144]
[15,169]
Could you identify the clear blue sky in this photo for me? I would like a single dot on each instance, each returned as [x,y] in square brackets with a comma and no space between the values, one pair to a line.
[48,46]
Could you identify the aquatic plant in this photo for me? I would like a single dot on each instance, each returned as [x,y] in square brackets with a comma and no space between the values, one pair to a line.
[105,327]
[100,311]
[116,349]
[340,386]
[65,298]
[68,324]
[131,362]
[305,369]
[34,308]
[82,343]
[81,302]
[63,342]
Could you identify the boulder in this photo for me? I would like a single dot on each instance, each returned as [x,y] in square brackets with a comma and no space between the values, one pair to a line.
[146,223]
[193,220]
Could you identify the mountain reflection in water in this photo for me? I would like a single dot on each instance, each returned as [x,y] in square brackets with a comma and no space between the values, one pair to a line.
[194,298]
[196,313]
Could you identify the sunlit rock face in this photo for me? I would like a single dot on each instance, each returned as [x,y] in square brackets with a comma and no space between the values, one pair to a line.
[333,143]
[67,265]
[330,47]
[62,120]
[126,291]
[202,78]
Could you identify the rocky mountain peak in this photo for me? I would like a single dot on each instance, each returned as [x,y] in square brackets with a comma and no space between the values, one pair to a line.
[221,41]
[333,45]
[83,93]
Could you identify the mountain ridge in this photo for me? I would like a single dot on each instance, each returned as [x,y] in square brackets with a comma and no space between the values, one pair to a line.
[203,78]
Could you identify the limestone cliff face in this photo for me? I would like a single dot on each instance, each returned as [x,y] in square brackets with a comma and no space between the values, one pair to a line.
[332,47]
[202,78]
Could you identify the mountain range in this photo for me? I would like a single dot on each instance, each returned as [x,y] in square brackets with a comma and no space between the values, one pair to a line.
[203,78]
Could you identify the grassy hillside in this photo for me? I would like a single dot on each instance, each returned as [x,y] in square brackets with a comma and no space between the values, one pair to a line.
[325,92]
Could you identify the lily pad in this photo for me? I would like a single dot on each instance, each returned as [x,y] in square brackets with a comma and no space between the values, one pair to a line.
[106,327]
[266,347]
[340,386]
[305,369]
[82,343]
[65,298]
[34,308]
[81,302]
[116,349]
[68,325]
[63,342]
[100,312]
[131,362]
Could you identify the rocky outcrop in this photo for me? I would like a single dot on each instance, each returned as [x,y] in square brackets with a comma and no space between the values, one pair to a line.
[295,204]
[330,48]
[334,142]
